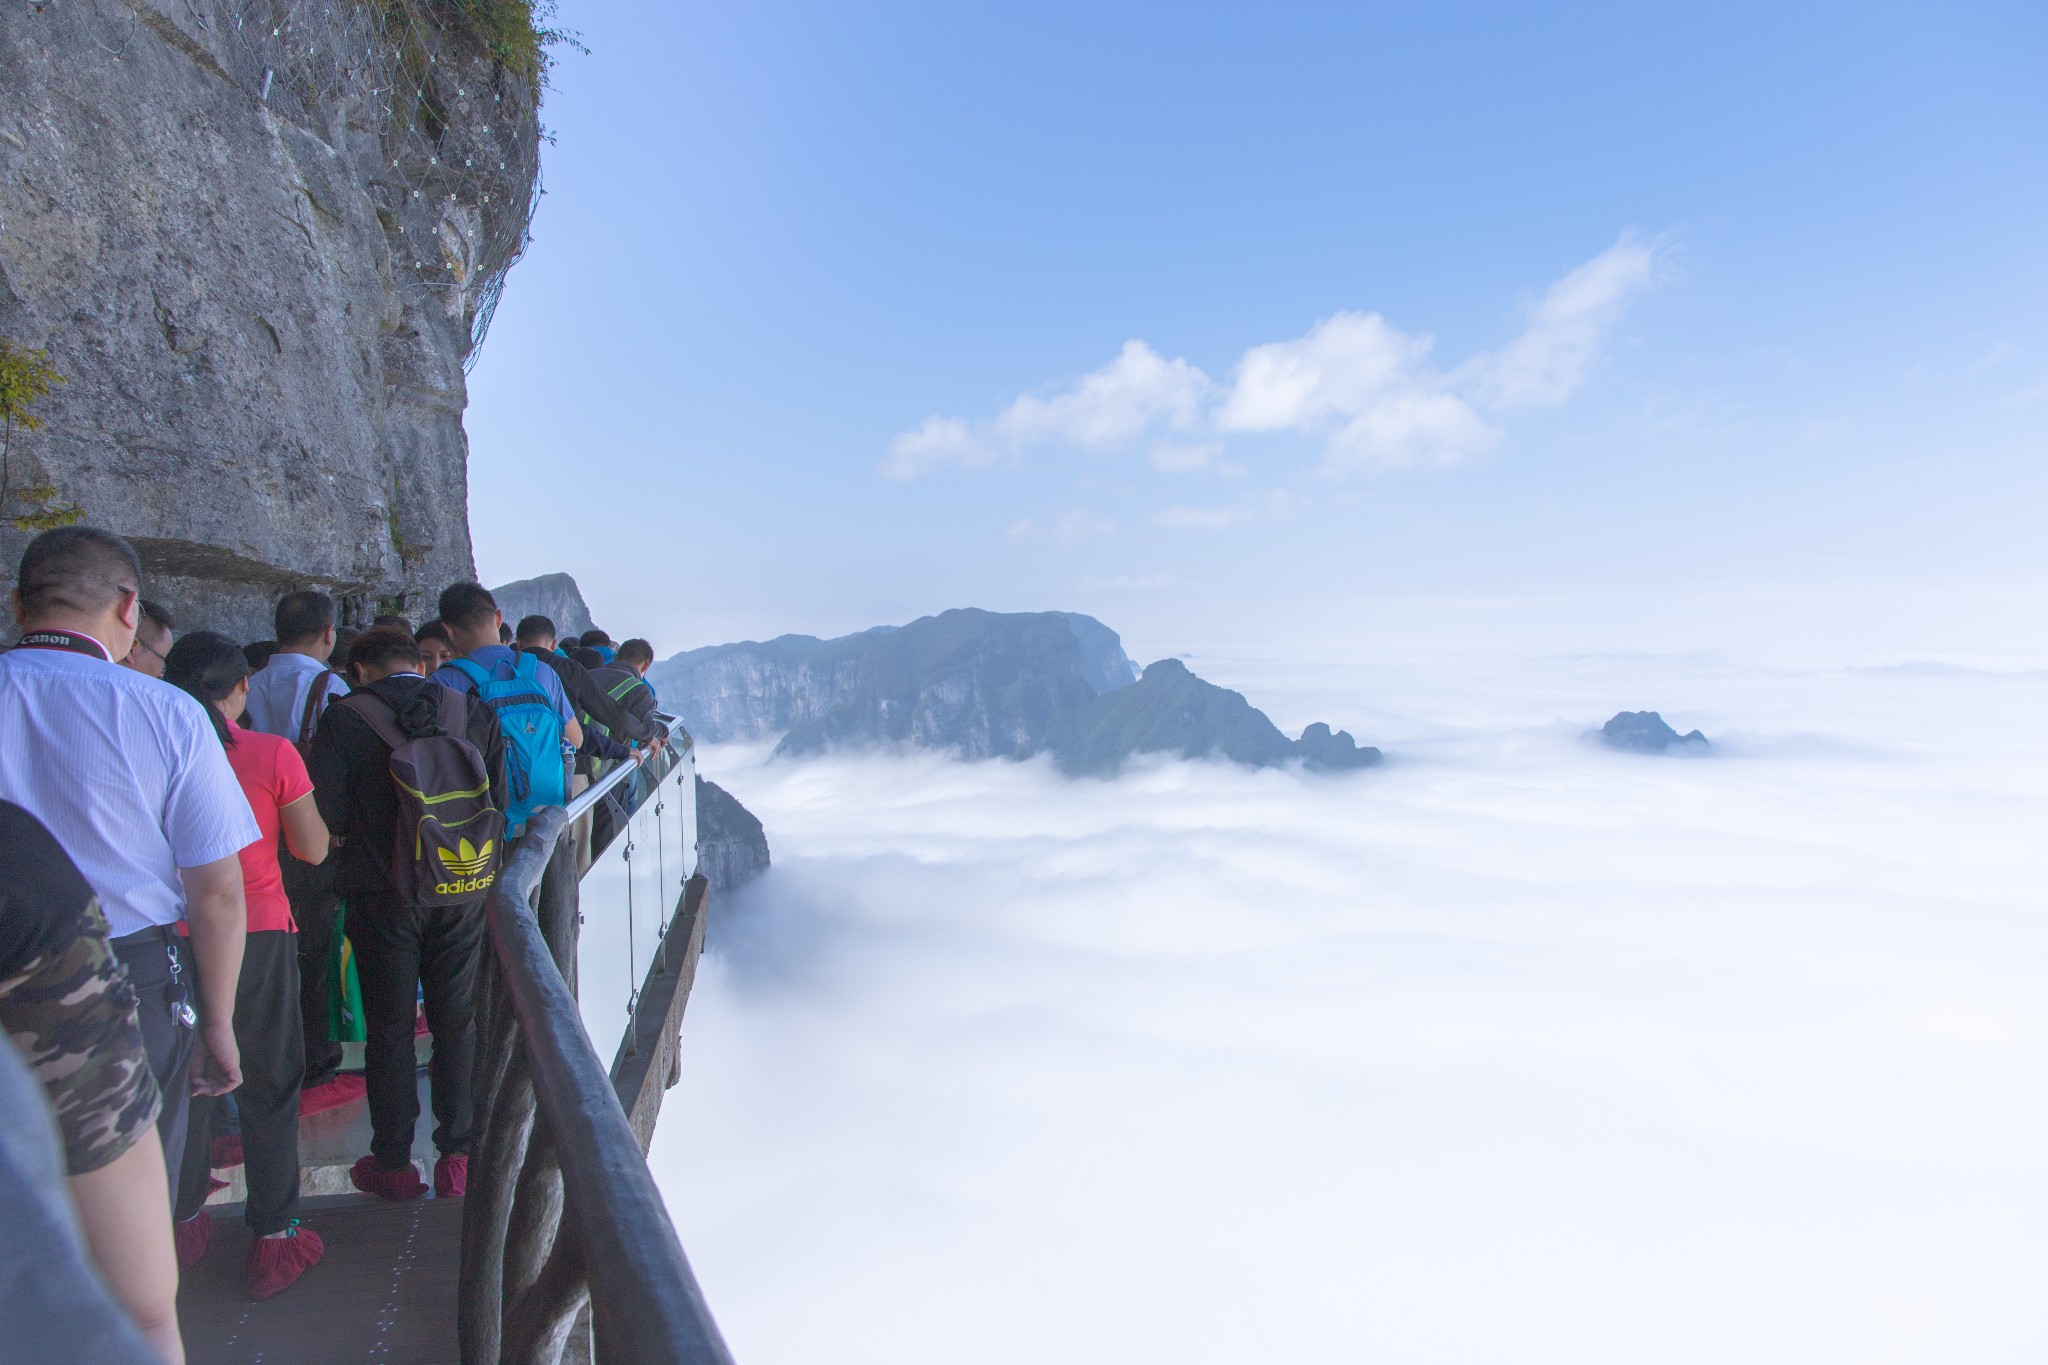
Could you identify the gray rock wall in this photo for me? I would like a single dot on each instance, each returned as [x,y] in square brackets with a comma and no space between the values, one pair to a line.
[553,595]
[732,848]
[259,237]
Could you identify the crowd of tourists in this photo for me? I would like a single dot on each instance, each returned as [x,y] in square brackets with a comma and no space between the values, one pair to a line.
[199,835]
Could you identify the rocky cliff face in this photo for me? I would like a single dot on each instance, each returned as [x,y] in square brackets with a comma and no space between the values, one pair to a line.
[732,848]
[1171,711]
[758,689]
[982,683]
[260,238]
[553,595]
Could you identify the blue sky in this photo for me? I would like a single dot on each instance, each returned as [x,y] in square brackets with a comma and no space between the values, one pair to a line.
[1449,301]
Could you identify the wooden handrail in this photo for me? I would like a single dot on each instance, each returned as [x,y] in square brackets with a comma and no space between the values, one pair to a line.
[557,1142]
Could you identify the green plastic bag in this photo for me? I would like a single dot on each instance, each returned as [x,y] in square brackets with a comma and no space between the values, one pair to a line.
[345,1000]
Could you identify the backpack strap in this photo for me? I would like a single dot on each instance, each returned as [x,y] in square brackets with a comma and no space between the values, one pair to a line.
[382,717]
[377,714]
[625,686]
[309,719]
[470,669]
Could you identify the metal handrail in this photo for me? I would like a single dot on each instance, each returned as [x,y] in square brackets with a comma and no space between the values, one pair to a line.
[586,801]
[646,1307]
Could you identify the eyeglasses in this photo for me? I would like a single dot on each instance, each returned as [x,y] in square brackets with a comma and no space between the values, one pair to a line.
[142,644]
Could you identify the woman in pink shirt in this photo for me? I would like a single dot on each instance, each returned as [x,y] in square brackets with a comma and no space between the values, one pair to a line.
[268,1028]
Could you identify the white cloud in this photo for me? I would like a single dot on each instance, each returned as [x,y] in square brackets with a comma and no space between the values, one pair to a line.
[1417,426]
[937,443]
[1544,365]
[1338,370]
[1366,387]
[1138,393]
[1687,1061]
[1368,391]
[1135,393]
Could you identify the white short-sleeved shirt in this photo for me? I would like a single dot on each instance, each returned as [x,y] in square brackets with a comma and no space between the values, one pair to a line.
[277,694]
[126,771]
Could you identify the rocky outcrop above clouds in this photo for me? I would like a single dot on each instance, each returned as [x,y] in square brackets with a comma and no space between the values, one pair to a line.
[732,847]
[1645,732]
[260,240]
[553,595]
[1171,711]
[982,685]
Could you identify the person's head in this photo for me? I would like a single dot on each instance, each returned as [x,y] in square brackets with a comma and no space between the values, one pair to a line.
[212,668]
[635,654]
[305,624]
[471,615]
[504,633]
[589,658]
[84,579]
[152,640]
[390,620]
[593,638]
[259,654]
[382,651]
[437,646]
[535,632]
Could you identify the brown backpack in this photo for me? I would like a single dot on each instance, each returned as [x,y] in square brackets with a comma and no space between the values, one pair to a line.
[449,838]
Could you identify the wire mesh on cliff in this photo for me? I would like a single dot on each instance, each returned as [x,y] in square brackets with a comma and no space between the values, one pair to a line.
[443,93]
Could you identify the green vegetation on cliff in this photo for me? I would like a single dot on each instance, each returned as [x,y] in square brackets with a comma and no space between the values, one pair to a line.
[519,34]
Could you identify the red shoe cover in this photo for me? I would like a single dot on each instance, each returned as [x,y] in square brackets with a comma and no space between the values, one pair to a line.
[345,1088]
[275,1262]
[419,1025]
[398,1186]
[193,1236]
[451,1176]
[227,1151]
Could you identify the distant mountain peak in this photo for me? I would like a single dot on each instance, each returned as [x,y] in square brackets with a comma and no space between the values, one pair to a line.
[985,685]
[553,595]
[1645,732]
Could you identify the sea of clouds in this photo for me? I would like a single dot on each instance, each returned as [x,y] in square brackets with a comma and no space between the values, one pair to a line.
[1513,1050]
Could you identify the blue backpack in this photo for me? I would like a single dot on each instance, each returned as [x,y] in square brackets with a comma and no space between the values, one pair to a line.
[534,772]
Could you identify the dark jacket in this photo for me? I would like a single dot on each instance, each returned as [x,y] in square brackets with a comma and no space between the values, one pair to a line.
[619,723]
[351,771]
[627,690]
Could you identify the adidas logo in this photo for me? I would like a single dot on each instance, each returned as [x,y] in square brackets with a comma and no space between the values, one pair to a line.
[466,861]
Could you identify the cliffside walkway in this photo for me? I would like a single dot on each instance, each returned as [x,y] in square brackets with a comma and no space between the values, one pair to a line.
[562,1249]
[386,1290]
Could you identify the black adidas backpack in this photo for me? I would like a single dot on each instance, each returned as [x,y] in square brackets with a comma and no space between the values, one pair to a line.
[450,838]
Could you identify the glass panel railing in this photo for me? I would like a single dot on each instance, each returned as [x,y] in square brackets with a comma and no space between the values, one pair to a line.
[645,833]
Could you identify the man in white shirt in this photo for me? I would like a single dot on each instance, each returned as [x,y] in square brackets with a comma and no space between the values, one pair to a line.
[127,773]
[279,694]
[287,697]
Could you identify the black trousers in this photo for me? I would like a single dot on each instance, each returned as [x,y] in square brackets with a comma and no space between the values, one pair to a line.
[273,1065]
[148,956]
[401,950]
[310,889]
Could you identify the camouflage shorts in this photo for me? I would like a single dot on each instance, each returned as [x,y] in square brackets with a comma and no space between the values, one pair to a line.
[72,1015]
